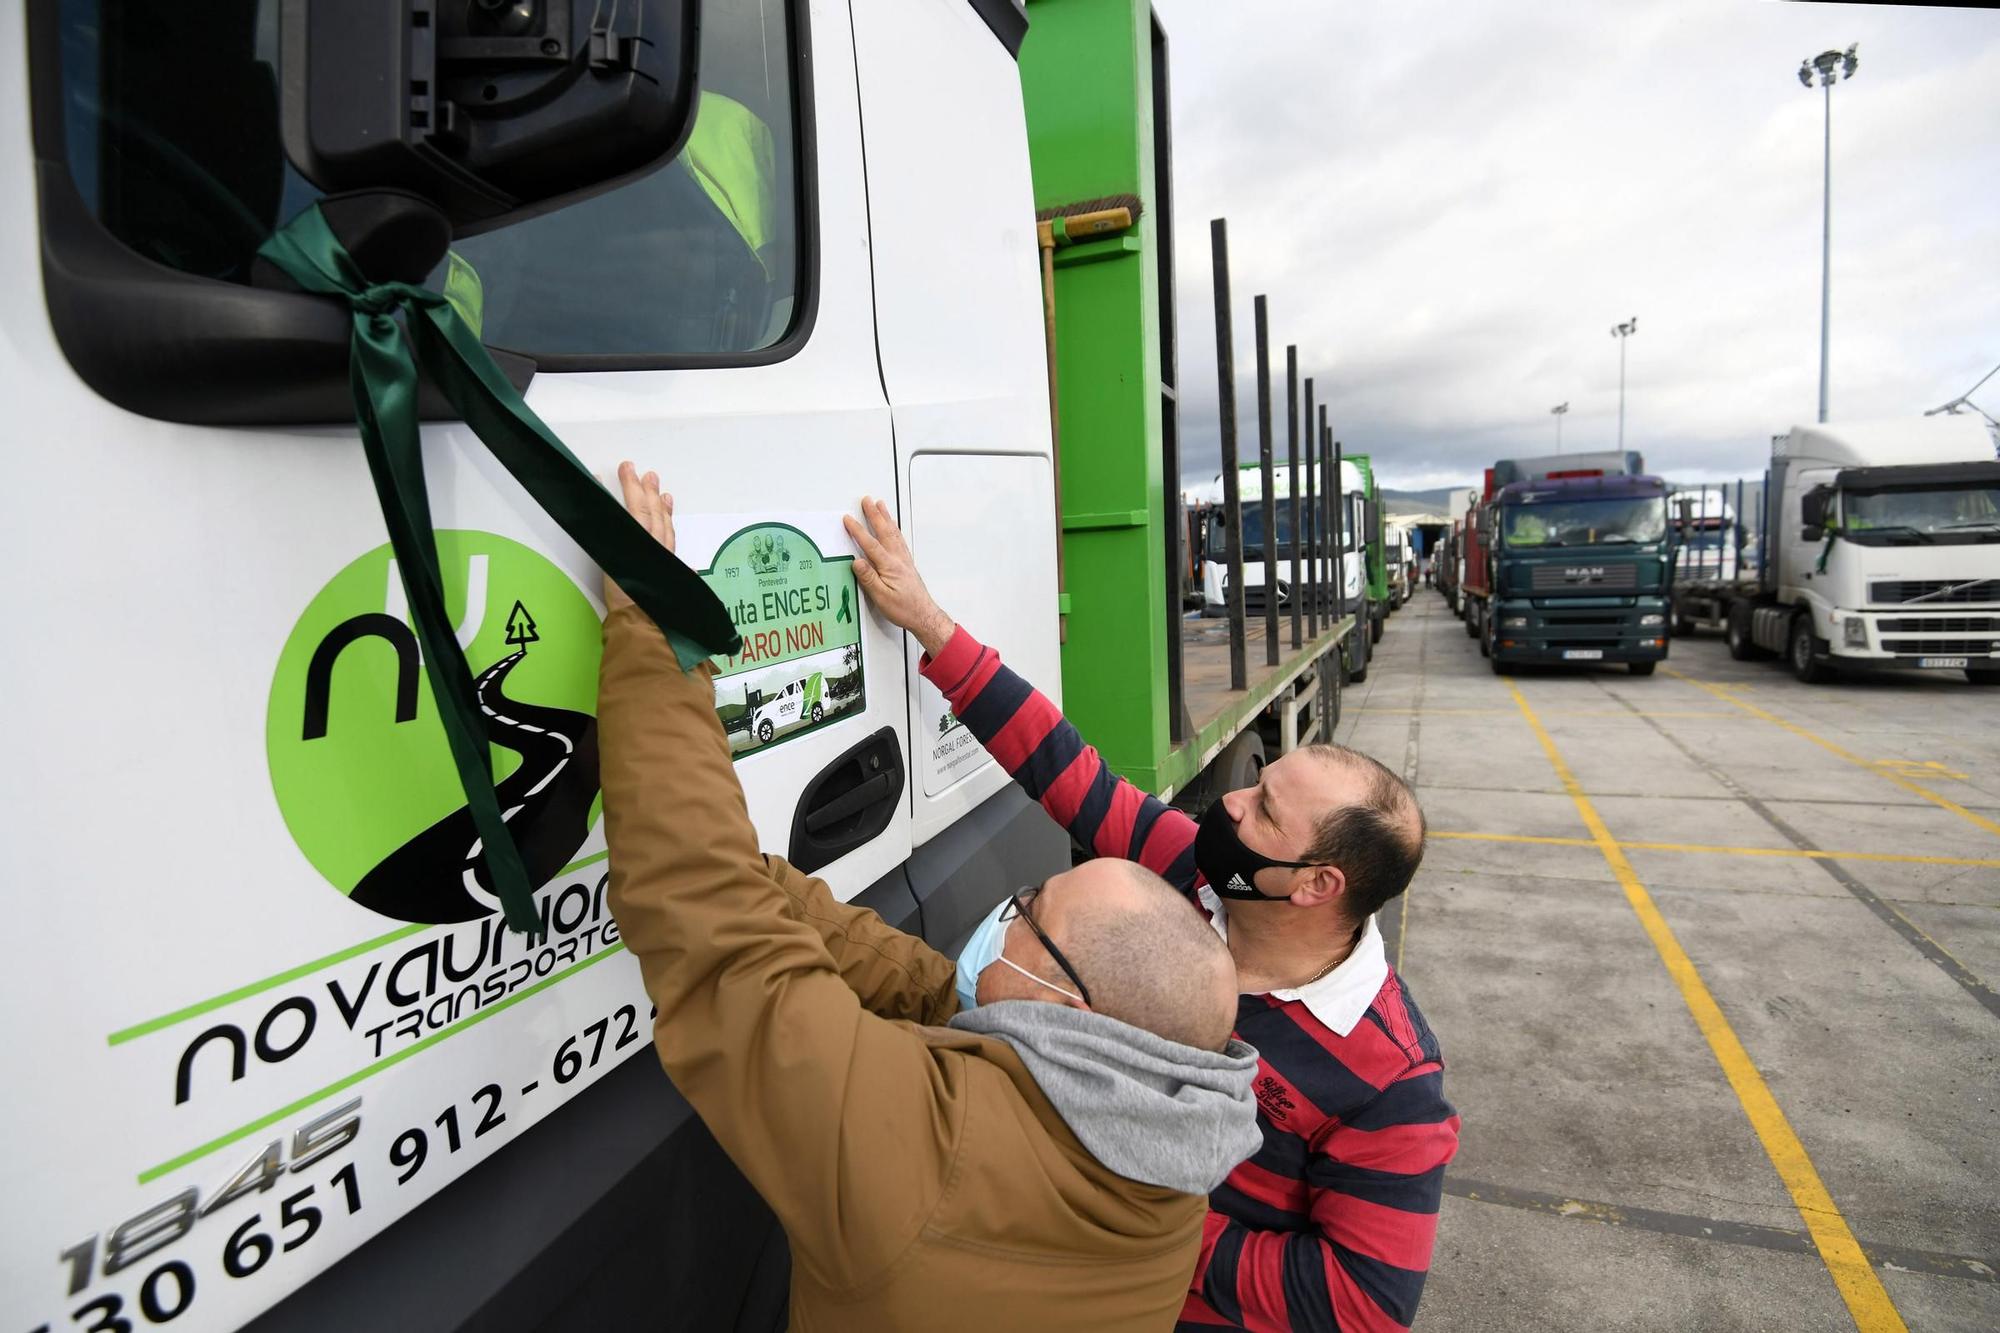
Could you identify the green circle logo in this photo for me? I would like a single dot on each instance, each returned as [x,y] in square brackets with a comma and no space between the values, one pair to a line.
[359,762]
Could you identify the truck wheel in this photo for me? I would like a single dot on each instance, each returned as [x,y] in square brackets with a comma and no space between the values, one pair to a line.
[1983,675]
[1375,628]
[819,711]
[765,731]
[1471,615]
[1807,667]
[1741,646]
[1240,763]
[1357,671]
[1642,668]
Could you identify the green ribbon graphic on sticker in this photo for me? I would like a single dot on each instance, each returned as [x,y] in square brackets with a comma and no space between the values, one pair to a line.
[383,374]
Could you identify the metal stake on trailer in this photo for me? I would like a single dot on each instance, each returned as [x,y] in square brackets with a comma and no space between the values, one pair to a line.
[1232,491]
[1339,540]
[1292,452]
[1266,471]
[1323,458]
[1307,588]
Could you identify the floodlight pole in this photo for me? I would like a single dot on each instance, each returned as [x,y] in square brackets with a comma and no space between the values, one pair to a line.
[1621,332]
[1559,411]
[1827,64]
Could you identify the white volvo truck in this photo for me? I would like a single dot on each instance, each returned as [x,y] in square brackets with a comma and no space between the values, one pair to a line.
[248,1083]
[1881,548]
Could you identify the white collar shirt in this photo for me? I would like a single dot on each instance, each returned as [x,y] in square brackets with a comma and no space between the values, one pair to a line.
[1342,996]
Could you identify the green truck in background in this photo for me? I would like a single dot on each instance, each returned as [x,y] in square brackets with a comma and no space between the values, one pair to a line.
[1371,532]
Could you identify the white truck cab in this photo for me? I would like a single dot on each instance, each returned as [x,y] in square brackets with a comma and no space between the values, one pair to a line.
[1882,550]
[258,1077]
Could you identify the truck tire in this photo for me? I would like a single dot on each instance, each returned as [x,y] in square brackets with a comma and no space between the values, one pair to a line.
[1357,669]
[1485,644]
[1642,668]
[1983,675]
[1471,617]
[1240,764]
[1741,646]
[1375,627]
[1802,655]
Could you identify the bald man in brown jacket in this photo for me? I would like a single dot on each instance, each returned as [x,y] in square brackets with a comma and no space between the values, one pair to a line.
[1038,1162]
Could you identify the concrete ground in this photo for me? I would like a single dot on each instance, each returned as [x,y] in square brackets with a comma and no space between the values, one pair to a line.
[1712,958]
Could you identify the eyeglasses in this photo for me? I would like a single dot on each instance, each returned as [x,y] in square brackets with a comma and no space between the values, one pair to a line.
[1018,906]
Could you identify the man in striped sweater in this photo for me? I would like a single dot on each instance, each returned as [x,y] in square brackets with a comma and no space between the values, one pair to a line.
[1329,1225]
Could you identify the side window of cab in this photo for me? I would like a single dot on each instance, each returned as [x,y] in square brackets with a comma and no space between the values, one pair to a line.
[161,134]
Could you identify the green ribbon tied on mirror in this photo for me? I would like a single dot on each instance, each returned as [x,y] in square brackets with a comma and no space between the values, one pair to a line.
[383,374]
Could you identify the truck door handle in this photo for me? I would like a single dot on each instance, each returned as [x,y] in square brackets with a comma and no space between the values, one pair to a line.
[821,817]
[850,802]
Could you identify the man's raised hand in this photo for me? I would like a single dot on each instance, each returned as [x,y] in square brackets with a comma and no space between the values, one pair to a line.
[888,575]
[654,509]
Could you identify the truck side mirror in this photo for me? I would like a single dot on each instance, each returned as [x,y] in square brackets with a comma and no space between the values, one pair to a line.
[1813,506]
[491,110]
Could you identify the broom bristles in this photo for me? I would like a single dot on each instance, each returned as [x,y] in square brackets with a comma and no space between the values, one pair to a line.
[1083,206]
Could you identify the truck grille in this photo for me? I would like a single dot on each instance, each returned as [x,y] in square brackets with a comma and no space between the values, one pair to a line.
[1584,574]
[1939,624]
[1941,647]
[1934,590]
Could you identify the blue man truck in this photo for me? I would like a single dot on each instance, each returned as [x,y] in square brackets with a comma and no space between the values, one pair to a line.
[1582,564]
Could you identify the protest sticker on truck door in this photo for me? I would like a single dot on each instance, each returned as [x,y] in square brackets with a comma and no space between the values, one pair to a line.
[790,588]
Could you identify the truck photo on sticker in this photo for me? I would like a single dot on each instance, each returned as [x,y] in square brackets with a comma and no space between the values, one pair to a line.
[798,610]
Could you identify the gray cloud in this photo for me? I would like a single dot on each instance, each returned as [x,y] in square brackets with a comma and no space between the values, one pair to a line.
[1450,205]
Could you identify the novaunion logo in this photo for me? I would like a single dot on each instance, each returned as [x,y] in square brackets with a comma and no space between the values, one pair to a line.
[359,762]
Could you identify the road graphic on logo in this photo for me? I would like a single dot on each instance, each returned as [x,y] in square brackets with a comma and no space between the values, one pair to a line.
[359,762]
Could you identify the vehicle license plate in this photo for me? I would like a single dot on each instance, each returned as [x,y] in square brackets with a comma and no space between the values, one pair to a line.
[1582,654]
[1948,662]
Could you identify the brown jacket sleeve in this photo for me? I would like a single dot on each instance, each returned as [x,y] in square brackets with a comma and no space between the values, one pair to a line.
[807,1091]
[894,974]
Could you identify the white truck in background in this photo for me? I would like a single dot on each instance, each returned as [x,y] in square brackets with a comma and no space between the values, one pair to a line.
[1881,548]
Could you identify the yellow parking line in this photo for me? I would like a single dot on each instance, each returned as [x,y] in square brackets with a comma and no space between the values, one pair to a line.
[1851,757]
[1710,849]
[1867,1301]
[1559,712]
[1516,837]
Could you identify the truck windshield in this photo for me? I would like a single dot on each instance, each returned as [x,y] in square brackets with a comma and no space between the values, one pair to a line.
[1967,513]
[1585,522]
[1253,529]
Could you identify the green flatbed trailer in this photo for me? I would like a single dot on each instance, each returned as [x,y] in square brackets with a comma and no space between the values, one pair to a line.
[1150,690]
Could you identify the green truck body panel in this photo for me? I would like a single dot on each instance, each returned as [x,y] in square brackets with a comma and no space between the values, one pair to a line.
[1087,69]
[1087,83]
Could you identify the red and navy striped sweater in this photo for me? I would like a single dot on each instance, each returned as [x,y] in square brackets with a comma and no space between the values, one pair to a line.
[1330,1224]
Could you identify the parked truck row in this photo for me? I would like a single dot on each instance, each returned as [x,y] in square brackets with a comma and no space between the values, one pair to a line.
[1865,545]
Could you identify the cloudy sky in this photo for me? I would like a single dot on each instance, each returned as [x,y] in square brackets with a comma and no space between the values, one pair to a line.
[1450,204]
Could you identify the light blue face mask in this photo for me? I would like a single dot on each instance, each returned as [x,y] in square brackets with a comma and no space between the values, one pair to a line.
[983,950]
[988,937]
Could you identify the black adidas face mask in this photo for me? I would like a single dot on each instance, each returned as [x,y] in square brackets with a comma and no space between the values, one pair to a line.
[1230,867]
